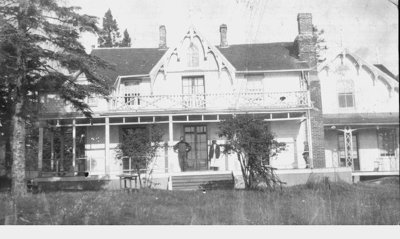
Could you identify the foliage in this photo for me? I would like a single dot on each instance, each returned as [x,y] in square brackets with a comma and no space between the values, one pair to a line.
[109,35]
[126,41]
[140,145]
[321,45]
[254,144]
[40,52]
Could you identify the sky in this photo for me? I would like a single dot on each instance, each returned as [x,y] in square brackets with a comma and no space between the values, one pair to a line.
[368,28]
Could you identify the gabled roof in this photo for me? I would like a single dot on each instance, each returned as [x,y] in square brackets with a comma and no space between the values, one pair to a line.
[385,70]
[263,57]
[129,61]
[243,57]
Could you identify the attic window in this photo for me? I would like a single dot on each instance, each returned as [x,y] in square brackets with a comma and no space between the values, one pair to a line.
[193,56]
[345,90]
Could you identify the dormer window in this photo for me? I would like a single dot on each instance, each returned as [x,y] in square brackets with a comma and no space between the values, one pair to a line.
[193,56]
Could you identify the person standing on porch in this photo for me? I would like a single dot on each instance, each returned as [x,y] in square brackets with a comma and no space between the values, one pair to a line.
[213,155]
[182,148]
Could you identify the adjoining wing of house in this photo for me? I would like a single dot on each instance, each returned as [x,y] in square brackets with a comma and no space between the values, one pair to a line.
[361,115]
[188,88]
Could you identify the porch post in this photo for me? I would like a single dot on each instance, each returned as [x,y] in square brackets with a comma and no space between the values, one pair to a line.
[73,146]
[107,144]
[170,142]
[348,146]
[40,150]
[60,164]
[171,129]
[52,150]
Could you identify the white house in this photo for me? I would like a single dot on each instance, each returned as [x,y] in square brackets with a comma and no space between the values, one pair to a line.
[360,104]
[343,113]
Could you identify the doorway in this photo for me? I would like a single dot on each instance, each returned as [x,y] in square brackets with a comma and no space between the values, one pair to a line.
[196,136]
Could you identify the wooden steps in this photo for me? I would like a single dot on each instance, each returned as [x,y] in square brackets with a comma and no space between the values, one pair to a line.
[203,181]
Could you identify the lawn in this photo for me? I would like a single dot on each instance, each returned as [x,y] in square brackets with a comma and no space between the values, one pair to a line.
[337,203]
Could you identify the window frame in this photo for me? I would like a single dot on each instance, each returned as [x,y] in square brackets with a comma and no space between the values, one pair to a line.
[380,141]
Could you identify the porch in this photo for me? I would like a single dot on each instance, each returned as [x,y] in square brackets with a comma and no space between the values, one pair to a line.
[369,149]
[78,146]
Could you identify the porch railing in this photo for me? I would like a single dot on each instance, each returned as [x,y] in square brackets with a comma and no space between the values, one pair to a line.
[242,100]
[65,167]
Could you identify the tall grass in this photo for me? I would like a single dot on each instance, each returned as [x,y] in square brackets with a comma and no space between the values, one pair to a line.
[308,204]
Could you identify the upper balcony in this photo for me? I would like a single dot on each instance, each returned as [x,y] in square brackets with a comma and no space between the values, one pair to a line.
[180,102]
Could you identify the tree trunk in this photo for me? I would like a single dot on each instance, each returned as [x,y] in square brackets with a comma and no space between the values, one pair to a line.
[244,174]
[18,186]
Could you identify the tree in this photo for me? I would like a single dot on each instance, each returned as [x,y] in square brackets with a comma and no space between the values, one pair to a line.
[321,46]
[140,145]
[126,41]
[253,143]
[41,52]
[109,35]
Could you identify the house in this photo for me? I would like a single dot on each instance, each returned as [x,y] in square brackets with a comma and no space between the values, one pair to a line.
[360,103]
[188,88]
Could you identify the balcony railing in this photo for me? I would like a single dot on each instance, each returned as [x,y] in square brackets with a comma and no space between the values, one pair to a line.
[272,100]
[218,101]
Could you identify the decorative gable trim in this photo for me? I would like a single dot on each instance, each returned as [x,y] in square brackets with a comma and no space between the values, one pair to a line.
[375,72]
[206,47]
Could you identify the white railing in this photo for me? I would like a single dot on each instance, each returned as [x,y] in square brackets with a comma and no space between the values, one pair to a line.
[241,100]
[386,164]
[273,100]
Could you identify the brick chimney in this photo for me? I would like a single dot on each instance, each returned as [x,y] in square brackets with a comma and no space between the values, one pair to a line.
[305,42]
[305,45]
[163,37]
[223,29]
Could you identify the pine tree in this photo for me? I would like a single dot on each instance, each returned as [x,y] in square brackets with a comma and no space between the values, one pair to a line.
[126,41]
[109,35]
[40,52]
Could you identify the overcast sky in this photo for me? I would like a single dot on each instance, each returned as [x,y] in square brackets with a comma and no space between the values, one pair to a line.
[368,28]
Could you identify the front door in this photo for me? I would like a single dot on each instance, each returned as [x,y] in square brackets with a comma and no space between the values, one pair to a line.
[342,158]
[196,136]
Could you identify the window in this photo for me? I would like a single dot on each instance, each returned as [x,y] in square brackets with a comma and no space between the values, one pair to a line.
[254,83]
[193,56]
[346,100]
[193,91]
[387,142]
[132,92]
[345,89]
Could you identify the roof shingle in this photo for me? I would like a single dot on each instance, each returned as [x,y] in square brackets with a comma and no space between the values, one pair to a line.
[129,61]
[263,57]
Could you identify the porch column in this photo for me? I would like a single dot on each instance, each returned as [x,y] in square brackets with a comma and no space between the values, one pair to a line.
[40,149]
[107,145]
[348,146]
[52,149]
[171,129]
[170,142]
[73,146]
[60,164]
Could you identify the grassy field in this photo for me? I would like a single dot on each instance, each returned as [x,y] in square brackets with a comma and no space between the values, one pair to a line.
[337,204]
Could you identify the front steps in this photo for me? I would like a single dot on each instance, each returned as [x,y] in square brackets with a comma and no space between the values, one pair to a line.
[204,181]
